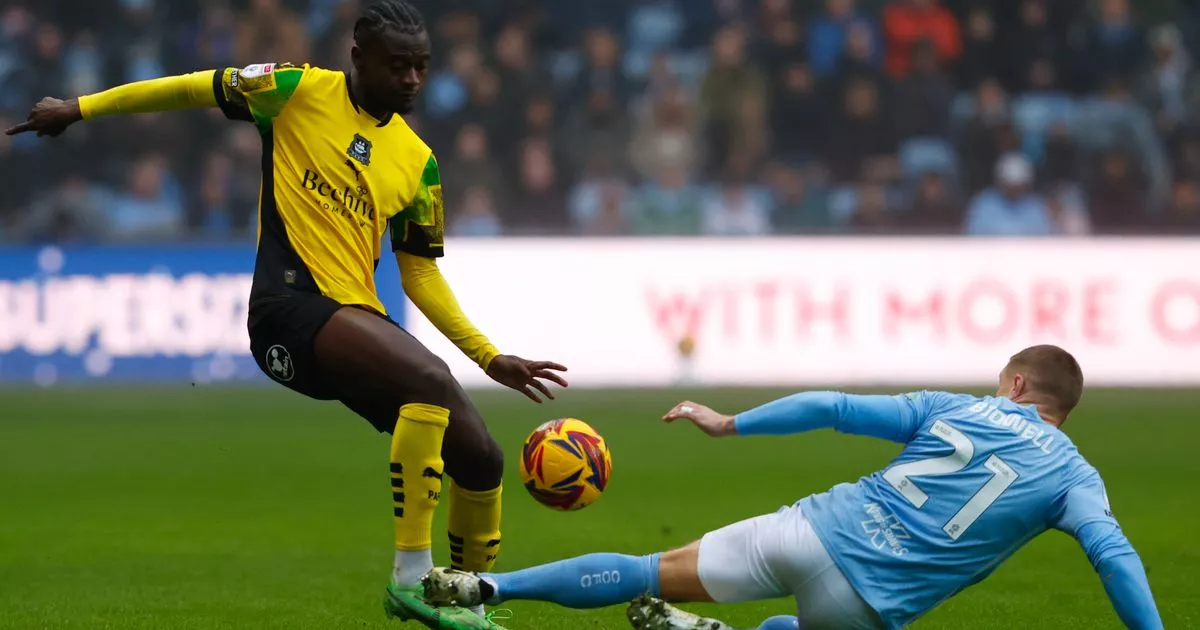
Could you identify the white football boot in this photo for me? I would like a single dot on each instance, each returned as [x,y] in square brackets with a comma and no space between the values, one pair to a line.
[651,613]
[451,587]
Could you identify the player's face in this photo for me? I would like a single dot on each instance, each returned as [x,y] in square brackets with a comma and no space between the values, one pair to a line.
[392,67]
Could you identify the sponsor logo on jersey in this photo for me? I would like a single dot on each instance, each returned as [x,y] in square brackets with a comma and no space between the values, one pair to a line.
[885,529]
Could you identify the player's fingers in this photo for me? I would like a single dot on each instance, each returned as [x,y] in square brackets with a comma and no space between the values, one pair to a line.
[547,365]
[20,128]
[550,376]
[530,395]
[541,387]
[682,410]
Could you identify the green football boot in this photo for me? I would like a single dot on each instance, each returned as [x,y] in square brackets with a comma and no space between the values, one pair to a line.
[408,604]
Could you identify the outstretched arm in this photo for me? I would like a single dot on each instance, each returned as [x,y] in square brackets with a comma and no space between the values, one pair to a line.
[52,116]
[893,418]
[1086,515]
[256,93]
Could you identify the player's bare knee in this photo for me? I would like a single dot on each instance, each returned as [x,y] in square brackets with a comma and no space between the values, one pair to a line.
[679,575]
[432,383]
[479,468]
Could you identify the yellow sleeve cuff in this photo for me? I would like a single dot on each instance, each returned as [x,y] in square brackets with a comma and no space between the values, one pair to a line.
[428,290]
[156,95]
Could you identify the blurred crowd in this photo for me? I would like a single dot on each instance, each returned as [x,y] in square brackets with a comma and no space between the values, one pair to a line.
[651,117]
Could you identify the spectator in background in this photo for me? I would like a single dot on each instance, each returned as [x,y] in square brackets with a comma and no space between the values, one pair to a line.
[733,209]
[1117,192]
[602,72]
[46,72]
[1068,210]
[923,97]
[908,22]
[731,81]
[17,25]
[83,65]
[860,131]
[539,206]
[781,33]
[514,56]
[448,88]
[798,114]
[74,211]
[668,206]
[1033,40]
[599,204]
[1186,155]
[666,137]
[1182,215]
[871,214]
[476,215]
[982,54]
[150,208]
[1113,47]
[1170,88]
[828,34]
[598,125]
[800,199]
[271,33]
[989,133]
[20,181]
[858,61]
[934,208]
[472,163]
[1011,208]
[210,42]
[216,213]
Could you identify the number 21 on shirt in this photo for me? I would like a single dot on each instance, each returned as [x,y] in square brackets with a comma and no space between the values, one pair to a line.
[1003,476]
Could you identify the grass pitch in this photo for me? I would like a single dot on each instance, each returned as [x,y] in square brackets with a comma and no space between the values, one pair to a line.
[210,508]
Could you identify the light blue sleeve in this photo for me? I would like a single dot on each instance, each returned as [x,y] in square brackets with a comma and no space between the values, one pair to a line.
[895,418]
[1085,514]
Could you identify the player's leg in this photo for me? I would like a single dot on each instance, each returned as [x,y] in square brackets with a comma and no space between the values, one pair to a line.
[376,366]
[723,566]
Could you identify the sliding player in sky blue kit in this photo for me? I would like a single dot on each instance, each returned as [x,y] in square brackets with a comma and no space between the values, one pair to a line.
[977,479]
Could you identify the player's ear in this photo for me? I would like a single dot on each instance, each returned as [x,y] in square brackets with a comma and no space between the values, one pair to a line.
[356,57]
[1019,385]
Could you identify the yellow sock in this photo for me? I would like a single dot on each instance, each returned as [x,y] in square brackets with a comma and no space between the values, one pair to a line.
[474,528]
[416,456]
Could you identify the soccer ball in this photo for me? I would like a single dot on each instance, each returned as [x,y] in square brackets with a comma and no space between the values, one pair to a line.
[565,464]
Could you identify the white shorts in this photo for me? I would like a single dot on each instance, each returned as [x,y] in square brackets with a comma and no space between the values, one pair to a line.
[776,555]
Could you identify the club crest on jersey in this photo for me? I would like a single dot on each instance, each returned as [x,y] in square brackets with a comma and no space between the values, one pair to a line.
[360,149]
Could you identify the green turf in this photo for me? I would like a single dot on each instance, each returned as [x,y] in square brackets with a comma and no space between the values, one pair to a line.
[203,508]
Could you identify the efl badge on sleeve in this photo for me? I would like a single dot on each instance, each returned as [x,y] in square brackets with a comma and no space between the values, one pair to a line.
[360,149]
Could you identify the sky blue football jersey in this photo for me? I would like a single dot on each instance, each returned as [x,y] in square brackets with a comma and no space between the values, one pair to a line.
[977,479]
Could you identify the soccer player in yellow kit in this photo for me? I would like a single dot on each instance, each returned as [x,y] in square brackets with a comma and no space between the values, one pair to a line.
[340,168]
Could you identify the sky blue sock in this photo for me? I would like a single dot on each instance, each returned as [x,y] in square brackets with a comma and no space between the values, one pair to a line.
[782,622]
[591,581]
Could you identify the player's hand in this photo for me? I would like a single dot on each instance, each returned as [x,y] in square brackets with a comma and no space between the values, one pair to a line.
[526,376]
[709,421]
[50,117]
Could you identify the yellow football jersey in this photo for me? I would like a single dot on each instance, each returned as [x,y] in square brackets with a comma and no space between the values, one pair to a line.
[334,179]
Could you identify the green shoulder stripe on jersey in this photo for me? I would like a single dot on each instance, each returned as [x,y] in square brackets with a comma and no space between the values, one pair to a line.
[418,229]
[269,103]
[256,93]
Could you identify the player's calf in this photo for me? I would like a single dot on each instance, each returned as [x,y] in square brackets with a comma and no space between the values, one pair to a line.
[475,463]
